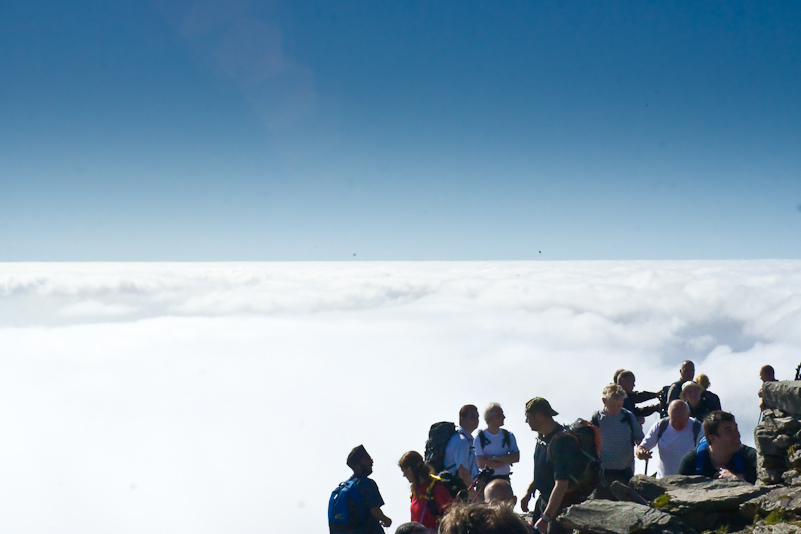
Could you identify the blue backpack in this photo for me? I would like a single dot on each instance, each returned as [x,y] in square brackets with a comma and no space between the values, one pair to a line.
[700,458]
[344,499]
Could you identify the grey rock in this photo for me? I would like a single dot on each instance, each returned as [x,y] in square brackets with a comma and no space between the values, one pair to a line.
[782,498]
[608,517]
[791,478]
[783,441]
[795,458]
[785,396]
[770,477]
[650,488]
[769,461]
[781,528]
[624,493]
[706,496]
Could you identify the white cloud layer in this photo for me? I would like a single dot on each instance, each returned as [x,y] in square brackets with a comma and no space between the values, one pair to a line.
[225,397]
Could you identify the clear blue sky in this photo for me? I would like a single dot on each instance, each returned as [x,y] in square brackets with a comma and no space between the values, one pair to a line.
[414,130]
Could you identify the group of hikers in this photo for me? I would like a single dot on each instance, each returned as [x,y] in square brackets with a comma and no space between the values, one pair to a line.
[463,482]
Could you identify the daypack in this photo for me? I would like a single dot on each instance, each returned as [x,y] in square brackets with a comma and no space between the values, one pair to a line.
[446,481]
[454,484]
[342,505]
[438,437]
[587,471]
[505,443]
[700,458]
[663,424]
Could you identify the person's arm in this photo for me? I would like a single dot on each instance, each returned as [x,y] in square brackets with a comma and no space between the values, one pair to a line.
[495,462]
[464,474]
[641,396]
[687,465]
[527,497]
[558,493]
[379,515]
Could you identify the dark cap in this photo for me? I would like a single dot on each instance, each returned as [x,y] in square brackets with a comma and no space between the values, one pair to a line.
[540,405]
[356,456]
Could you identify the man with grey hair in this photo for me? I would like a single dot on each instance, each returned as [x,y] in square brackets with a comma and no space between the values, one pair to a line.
[673,437]
[496,447]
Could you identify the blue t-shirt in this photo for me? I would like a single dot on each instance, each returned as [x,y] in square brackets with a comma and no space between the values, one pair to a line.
[370,498]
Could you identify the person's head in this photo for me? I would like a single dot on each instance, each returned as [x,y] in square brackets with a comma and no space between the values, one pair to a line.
[413,527]
[500,491]
[767,374]
[678,414]
[468,417]
[687,370]
[613,398]
[691,393]
[482,519]
[414,468]
[493,415]
[626,380]
[722,433]
[616,375]
[703,381]
[539,414]
[360,461]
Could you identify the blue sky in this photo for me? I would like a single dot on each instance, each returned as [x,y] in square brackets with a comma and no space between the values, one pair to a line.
[216,130]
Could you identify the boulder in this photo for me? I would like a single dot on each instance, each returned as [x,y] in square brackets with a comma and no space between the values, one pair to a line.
[702,495]
[786,499]
[609,517]
[781,528]
[650,488]
[785,396]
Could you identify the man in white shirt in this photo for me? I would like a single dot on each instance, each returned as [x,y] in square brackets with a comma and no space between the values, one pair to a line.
[460,457]
[496,447]
[673,437]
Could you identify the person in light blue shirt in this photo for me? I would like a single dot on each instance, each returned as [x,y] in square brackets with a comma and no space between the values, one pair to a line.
[460,456]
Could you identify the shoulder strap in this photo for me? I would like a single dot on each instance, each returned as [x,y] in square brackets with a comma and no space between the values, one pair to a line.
[483,439]
[700,457]
[596,418]
[696,430]
[663,424]
[507,440]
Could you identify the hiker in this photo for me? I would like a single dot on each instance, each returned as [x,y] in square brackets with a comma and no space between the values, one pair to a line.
[673,436]
[625,379]
[482,519]
[360,510]
[412,527]
[721,454]
[692,394]
[556,460]
[496,447]
[620,431]
[709,398]
[499,491]
[687,373]
[766,374]
[460,456]
[430,498]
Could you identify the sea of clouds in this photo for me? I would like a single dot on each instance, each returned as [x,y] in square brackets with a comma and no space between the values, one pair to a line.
[224,397]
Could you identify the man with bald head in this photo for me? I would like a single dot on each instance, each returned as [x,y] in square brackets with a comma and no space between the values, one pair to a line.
[500,491]
[673,436]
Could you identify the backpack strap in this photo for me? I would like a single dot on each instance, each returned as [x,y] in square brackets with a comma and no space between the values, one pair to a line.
[700,456]
[696,430]
[663,424]
[507,440]
[596,418]
[483,439]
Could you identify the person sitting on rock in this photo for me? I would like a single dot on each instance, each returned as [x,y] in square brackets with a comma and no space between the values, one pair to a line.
[500,491]
[620,431]
[766,374]
[721,454]
[673,436]
[692,394]
[707,396]
[482,519]
[625,379]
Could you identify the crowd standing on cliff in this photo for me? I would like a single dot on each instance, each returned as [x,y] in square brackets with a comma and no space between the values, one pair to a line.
[462,484]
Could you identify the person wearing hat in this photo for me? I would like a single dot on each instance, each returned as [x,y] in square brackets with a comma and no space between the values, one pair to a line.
[370,497]
[551,471]
[692,394]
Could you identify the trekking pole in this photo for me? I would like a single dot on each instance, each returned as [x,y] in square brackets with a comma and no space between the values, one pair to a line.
[646,466]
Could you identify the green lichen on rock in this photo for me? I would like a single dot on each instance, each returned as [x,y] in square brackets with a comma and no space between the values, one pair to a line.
[776,516]
[662,502]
